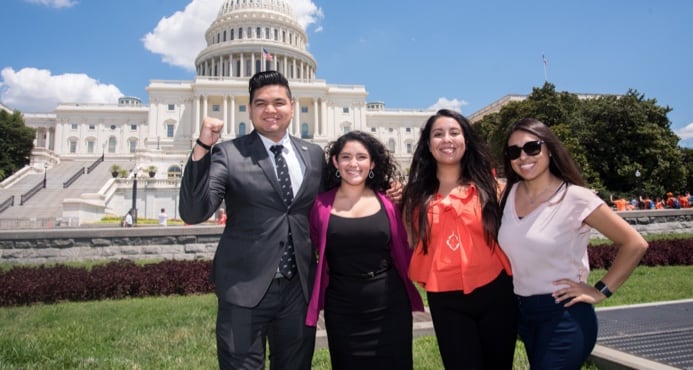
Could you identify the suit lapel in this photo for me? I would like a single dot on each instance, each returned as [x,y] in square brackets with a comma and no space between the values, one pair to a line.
[262,157]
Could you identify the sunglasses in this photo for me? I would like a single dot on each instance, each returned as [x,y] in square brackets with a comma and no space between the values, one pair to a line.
[530,148]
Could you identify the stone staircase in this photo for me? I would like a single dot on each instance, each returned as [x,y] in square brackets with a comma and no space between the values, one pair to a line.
[47,202]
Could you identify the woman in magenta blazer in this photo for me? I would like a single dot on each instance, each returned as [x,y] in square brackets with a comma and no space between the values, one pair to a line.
[363,259]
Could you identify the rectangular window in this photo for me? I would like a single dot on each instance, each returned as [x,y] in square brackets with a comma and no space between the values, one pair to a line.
[73,147]
[133,146]
[169,130]
[133,127]
[276,35]
[90,147]
[267,33]
[171,107]
[224,35]
[304,109]
[258,33]
[345,110]
[240,34]
[92,127]
[408,129]
[241,108]
[408,148]
[373,129]
[74,126]
[215,107]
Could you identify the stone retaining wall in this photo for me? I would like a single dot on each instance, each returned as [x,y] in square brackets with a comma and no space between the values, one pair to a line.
[200,242]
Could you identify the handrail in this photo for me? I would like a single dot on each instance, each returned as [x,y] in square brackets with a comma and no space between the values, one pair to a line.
[73,178]
[26,196]
[93,165]
[9,202]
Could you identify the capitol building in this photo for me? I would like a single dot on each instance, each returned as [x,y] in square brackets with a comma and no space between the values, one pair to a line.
[246,37]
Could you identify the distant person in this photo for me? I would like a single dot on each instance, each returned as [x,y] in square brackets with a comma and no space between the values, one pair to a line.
[221,219]
[618,202]
[683,200]
[545,231]
[363,258]
[128,219]
[450,206]
[163,217]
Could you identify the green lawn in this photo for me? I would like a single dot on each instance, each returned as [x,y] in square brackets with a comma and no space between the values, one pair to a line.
[178,332]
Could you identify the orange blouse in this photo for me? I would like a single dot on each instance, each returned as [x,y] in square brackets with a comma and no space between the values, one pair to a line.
[458,258]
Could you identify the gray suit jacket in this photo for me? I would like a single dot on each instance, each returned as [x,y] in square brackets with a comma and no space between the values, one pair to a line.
[241,173]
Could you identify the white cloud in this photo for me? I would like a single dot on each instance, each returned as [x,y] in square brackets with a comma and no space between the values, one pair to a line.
[445,103]
[37,90]
[54,3]
[686,132]
[180,37]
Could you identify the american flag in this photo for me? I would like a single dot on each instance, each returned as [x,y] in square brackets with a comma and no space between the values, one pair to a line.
[544,59]
[266,54]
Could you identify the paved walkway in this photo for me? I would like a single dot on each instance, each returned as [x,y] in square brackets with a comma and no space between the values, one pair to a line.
[653,336]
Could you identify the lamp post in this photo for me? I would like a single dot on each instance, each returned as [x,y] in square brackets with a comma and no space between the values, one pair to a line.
[637,176]
[134,196]
[45,170]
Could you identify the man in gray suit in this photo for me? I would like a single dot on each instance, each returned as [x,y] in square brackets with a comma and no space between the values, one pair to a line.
[259,298]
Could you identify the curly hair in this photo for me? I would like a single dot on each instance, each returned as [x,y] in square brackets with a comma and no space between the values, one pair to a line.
[385,171]
[561,164]
[476,168]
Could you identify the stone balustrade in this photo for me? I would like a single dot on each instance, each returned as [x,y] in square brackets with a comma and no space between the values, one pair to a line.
[200,241]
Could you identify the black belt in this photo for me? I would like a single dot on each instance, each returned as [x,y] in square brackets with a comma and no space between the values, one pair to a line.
[366,275]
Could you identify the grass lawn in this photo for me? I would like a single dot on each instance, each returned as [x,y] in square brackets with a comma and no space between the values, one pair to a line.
[178,332]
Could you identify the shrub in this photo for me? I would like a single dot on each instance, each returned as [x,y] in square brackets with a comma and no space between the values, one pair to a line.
[114,280]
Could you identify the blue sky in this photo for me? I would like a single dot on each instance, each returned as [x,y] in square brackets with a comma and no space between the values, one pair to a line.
[409,54]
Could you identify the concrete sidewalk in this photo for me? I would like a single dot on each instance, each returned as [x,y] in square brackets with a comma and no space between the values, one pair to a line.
[653,336]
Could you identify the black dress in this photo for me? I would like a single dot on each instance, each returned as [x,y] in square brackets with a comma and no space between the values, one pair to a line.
[367,312]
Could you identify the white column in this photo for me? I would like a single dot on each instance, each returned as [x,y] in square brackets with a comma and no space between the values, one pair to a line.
[232,117]
[324,124]
[196,114]
[241,60]
[230,65]
[297,118]
[225,112]
[205,102]
[316,124]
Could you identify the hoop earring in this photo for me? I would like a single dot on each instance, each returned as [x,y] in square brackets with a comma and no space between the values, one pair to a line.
[371,175]
[337,175]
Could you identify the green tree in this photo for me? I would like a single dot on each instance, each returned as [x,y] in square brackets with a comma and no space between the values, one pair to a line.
[609,136]
[16,143]
[629,133]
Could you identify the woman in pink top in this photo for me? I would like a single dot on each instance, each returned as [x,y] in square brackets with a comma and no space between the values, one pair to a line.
[451,208]
[545,231]
[363,258]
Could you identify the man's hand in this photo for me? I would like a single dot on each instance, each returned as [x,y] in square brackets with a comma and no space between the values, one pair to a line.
[210,132]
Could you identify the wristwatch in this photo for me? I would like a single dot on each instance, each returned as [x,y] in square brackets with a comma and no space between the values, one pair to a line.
[603,288]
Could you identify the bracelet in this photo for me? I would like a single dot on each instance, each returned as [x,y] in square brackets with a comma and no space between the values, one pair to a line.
[203,145]
[603,288]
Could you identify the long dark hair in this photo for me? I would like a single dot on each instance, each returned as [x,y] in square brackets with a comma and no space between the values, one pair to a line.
[561,164]
[384,172]
[476,166]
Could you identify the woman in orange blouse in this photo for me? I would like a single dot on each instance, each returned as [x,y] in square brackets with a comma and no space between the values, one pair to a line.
[451,209]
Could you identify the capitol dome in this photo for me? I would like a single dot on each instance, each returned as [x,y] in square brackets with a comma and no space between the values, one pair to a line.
[255,35]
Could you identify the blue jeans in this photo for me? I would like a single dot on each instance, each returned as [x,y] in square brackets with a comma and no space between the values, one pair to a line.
[556,337]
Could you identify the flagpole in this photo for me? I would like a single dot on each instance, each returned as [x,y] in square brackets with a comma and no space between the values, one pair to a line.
[543,59]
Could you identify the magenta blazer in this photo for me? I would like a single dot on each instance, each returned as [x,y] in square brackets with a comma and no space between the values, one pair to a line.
[399,250]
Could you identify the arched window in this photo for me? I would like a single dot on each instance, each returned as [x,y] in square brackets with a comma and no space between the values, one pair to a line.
[391,145]
[174,172]
[112,144]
